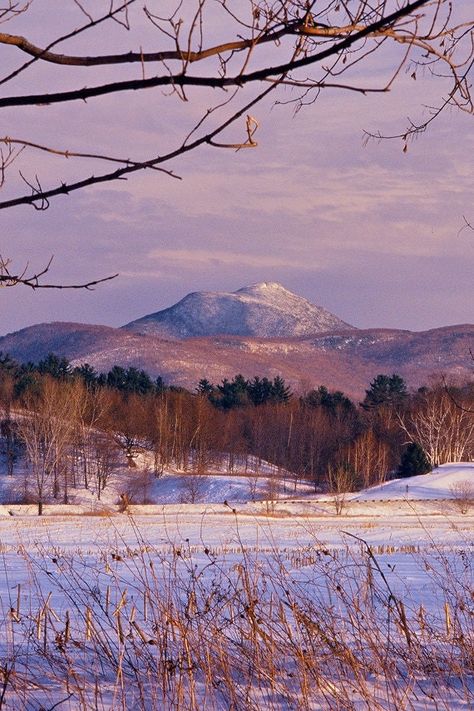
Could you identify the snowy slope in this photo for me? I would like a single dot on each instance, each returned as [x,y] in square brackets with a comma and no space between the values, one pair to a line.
[245,486]
[177,488]
[266,310]
[438,484]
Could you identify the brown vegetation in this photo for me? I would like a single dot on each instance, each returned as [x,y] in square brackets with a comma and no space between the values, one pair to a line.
[192,628]
[73,432]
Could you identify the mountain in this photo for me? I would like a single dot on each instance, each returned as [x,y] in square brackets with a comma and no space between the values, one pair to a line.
[266,310]
[347,360]
[262,330]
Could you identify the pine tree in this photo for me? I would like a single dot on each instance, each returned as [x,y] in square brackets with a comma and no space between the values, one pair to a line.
[385,390]
[56,366]
[414,461]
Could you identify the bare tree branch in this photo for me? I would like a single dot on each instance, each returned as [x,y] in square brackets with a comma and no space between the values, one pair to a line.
[7,141]
[7,278]
[328,42]
[43,196]
[92,23]
[187,56]
[467,226]
[214,82]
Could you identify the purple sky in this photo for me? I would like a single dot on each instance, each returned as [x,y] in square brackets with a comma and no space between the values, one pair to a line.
[368,232]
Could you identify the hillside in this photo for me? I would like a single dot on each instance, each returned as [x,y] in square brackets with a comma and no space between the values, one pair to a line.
[441,483]
[267,310]
[346,360]
[248,486]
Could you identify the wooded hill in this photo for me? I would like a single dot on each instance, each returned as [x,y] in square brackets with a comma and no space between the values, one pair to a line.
[69,424]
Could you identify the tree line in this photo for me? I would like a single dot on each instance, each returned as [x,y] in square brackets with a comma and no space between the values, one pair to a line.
[70,426]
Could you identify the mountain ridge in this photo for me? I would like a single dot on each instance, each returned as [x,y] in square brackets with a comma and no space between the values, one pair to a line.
[337,355]
[344,360]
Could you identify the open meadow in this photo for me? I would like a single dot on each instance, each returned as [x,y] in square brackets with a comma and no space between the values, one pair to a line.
[243,605]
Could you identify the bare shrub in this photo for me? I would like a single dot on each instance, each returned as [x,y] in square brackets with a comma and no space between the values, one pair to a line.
[463,495]
[103,461]
[272,486]
[140,486]
[193,488]
[252,480]
[125,499]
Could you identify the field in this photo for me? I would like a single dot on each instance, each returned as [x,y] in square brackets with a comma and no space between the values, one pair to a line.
[274,605]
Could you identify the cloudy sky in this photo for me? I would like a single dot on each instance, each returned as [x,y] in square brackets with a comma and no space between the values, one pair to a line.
[368,231]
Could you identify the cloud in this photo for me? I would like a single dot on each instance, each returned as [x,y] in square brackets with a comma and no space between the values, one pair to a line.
[195,258]
[369,232]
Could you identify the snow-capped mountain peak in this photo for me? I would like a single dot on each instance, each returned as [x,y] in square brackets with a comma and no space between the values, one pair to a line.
[266,309]
[263,288]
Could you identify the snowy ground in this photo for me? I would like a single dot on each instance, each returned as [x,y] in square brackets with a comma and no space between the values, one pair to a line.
[292,551]
[438,484]
[256,482]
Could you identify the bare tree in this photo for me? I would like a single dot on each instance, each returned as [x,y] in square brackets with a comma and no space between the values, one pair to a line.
[104,460]
[224,57]
[124,418]
[340,482]
[8,427]
[443,429]
[368,456]
[46,429]
[88,407]
[201,443]
[193,488]
[159,433]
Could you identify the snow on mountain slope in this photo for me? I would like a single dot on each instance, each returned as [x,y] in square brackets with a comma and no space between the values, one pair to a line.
[267,310]
[438,484]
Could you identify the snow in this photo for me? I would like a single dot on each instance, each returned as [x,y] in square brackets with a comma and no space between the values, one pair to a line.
[251,481]
[265,310]
[294,547]
[438,484]
[382,515]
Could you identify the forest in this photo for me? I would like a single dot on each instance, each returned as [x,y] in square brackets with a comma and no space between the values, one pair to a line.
[69,427]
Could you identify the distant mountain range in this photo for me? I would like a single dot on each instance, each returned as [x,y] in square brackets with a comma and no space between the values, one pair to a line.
[262,329]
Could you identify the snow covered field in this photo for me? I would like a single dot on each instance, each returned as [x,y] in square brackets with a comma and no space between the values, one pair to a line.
[261,605]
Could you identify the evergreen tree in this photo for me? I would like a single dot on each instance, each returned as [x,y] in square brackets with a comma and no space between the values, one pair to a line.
[138,381]
[414,461]
[160,386]
[205,387]
[27,380]
[260,390]
[330,401]
[280,391]
[385,390]
[56,366]
[7,364]
[87,373]
[231,393]
[130,380]
[116,378]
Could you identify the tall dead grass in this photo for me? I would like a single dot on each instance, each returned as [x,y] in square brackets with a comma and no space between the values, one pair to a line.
[192,628]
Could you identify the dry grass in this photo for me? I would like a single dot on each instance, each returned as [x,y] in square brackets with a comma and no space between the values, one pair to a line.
[190,628]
